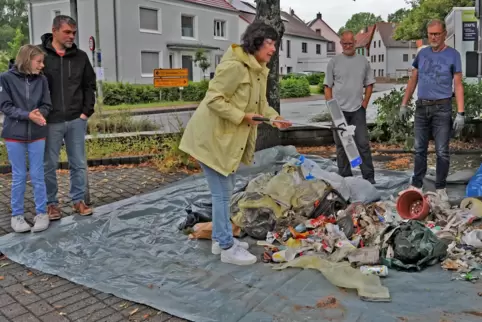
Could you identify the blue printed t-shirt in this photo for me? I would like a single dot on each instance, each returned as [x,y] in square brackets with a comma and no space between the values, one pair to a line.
[436,71]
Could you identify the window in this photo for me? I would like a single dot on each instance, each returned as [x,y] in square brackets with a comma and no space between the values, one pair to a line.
[405,57]
[187,26]
[281,45]
[374,73]
[413,56]
[281,70]
[318,31]
[304,47]
[318,49]
[330,47]
[380,45]
[171,61]
[374,44]
[149,19]
[219,29]
[217,60]
[374,58]
[362,51]
[288,49]
[149,62]
[289,69]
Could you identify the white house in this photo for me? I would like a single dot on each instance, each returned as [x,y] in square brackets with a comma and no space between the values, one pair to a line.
[301,49]
[388,57]
[323,29]
[138,36]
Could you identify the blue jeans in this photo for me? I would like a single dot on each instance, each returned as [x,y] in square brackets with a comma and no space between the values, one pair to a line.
[17,152]
[221,190]
[73,133]
[435,119]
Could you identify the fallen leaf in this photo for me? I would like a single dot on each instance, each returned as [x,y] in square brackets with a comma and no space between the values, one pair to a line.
[124,305]
[27,292]
[44,279]
[134,311]
[58,307]
[29,274]
[146,316]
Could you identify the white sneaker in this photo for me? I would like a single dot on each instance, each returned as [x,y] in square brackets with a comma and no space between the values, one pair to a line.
[238,256]
[216,249]
[42,222]
[19,225]
[442,193]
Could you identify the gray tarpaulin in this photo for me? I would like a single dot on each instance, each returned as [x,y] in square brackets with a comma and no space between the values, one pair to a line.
[134,250]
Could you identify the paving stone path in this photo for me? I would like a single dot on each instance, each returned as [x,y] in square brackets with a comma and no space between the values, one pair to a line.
[28,295]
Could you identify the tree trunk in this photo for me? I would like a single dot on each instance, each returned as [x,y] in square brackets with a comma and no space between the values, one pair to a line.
[269,12]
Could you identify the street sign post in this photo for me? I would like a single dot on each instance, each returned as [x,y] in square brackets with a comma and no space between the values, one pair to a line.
[174,77]
[170,82]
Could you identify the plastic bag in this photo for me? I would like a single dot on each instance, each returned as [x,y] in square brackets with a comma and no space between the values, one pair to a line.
[306,195]
[474,187]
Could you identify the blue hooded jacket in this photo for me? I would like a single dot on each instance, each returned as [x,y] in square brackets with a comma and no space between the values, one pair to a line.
[19,95]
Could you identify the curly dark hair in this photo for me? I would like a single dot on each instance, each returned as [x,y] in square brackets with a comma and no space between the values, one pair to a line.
[255,35]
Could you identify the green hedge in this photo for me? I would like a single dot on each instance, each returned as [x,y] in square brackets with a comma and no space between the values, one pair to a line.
[125,93]
[294,87]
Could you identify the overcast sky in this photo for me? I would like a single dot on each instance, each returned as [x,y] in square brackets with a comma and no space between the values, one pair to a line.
[337,12]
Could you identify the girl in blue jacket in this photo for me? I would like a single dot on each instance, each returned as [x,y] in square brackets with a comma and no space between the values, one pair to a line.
[25,103]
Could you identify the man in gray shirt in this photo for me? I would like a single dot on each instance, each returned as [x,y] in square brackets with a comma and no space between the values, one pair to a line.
[347,74]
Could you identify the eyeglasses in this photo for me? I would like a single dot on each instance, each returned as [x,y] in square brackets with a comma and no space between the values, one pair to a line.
[347,44]
[435,34]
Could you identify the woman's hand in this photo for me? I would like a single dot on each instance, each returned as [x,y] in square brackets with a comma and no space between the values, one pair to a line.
[248,118]
[282,125]
[37,117]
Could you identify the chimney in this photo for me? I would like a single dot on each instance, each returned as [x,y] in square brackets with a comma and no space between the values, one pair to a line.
[292,12]
[318,16]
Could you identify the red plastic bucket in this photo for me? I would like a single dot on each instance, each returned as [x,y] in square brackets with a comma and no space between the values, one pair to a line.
[408,200]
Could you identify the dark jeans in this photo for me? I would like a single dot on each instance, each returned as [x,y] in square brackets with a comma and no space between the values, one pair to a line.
[435,119]
[362,141]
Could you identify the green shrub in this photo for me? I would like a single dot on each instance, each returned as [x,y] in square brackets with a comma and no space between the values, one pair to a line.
[125,93]
[292,87]
[315,78]
[321,84]
[389,128]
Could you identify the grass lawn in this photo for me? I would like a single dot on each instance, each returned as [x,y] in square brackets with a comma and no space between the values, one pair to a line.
[314,89]
[126,107]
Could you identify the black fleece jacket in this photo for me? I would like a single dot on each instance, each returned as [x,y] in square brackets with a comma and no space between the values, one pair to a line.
[72,82]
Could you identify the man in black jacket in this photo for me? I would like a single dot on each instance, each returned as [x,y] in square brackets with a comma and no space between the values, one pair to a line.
[72,84]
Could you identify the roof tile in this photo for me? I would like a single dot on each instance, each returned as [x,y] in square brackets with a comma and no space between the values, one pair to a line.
[222,4]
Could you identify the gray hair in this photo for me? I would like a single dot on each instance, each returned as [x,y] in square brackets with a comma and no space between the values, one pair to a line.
[436,22]
[61,19]
[347,32]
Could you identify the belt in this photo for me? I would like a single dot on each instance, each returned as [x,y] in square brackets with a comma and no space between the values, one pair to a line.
[433,102]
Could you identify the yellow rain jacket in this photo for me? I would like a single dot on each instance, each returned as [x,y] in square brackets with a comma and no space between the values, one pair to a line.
[216,134]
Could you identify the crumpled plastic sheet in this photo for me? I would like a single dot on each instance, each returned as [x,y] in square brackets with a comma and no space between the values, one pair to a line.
[134,250]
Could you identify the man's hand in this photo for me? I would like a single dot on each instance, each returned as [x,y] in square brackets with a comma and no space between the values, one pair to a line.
[248,118]
[37,117]
[459,123]
[364,105]
[84,117]
[403,112]
[282,125]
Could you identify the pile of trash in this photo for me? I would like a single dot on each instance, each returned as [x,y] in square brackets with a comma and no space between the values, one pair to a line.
[303,210]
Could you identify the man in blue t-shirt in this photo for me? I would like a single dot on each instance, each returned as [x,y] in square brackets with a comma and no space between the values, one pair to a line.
[435,69]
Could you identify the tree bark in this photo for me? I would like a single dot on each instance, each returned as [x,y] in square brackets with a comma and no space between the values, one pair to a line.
[269,11]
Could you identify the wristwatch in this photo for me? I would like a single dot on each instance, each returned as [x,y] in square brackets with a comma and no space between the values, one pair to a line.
[461,113]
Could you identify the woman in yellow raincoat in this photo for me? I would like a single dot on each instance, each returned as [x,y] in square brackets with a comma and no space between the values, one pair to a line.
[222,133]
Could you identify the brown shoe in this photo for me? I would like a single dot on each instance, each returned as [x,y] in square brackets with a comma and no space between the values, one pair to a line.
[82,209]
[54,212]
